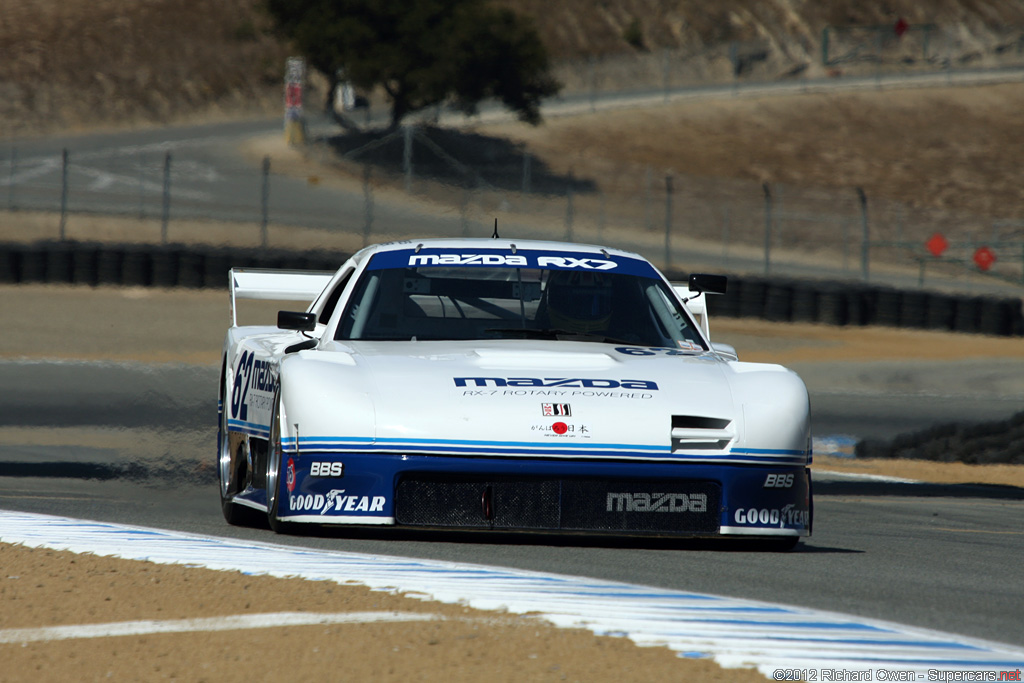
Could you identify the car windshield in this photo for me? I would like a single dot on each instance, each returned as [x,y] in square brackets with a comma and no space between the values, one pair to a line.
[473,303]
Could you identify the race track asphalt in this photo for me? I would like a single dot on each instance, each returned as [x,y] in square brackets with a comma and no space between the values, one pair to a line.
[137,441]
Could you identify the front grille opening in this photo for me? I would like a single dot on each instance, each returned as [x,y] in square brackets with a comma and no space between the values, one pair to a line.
[566,505]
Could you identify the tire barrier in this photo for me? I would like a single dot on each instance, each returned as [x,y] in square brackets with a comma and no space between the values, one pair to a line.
[805,303]
[914,310]
[753,293]
[854,304]
[778,302]
[887,307]
[84,265]
[987,443]
[134,265]
[33,263]
[831,305]
[776,299]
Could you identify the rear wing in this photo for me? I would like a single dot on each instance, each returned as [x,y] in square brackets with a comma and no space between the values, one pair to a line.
[275,285]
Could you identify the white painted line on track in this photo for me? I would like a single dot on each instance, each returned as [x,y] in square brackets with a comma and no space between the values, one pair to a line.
[733,632]
[860,476]
[205,624]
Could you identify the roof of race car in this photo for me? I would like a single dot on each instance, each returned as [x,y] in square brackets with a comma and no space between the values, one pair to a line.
[488,243]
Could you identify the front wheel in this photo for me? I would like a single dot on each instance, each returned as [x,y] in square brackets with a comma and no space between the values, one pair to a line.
[773,544]
[275,461]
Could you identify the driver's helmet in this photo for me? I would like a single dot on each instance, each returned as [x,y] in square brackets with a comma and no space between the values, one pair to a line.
[579,301]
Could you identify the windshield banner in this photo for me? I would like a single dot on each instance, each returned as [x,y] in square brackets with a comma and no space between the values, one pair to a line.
[505,258]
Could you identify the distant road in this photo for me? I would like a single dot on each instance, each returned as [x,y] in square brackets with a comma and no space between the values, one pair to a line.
[123,173]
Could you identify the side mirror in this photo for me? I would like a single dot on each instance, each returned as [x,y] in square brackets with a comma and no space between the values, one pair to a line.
[711,284]
[294,320]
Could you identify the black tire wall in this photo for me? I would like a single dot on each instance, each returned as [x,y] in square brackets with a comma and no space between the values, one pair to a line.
[775,299]
[856,304]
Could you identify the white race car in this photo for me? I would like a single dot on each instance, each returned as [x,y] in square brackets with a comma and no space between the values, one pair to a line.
[506,385]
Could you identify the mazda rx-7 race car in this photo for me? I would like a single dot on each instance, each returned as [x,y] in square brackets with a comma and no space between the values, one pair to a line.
[506,385]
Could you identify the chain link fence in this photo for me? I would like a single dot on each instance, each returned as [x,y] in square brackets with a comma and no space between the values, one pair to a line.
[677,220]
[424,182]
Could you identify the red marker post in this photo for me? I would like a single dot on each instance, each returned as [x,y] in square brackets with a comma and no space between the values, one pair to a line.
[984,258]
[936,245]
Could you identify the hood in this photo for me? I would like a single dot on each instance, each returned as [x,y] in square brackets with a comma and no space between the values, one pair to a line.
[515,397]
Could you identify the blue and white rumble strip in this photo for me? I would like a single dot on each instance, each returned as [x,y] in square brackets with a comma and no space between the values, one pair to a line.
[733,632]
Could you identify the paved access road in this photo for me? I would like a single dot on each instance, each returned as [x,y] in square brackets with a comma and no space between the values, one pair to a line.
[137,443]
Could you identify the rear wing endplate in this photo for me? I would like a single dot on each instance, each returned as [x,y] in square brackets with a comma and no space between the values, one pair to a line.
[275,285]
[696,305]
[694,293]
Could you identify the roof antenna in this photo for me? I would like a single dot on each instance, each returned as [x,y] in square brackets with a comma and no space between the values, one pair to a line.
[495,235]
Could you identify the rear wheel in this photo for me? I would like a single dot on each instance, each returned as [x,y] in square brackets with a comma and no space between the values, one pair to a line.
[231,471]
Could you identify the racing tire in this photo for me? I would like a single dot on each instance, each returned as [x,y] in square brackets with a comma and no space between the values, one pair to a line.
[780,544]
[769,544]
[275,462]
[228,478]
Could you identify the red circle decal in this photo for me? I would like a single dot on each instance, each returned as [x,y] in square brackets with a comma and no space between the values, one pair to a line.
[560,427]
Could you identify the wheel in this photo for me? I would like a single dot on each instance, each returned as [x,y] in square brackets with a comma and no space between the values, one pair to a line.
[274,465]
[774,544]
[230,477]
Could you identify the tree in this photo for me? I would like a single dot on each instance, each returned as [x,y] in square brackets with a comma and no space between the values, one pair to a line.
[422,52]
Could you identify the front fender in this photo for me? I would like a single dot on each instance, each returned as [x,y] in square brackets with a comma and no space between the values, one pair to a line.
[327,401]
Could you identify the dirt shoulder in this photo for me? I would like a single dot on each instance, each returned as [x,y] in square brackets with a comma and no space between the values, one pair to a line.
[47,588]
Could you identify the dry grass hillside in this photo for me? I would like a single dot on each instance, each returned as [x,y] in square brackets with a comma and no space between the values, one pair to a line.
[77,64]
[572,28]
[100,63]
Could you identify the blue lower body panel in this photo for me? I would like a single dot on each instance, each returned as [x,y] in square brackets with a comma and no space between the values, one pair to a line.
[571,496]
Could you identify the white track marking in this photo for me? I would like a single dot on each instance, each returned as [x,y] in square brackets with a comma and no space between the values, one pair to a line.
[860,476]
[734,632]
[229,623]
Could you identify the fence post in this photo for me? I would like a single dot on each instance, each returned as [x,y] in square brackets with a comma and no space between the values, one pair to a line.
[527,172]
[726,224]
[668,222]
[265,202]
[407,157]
[592,77]
[865,244]
[165,214]
[665,73]
[464,210]
[767,227]
[846,245]
[63,193]
[141,162]
[367,204]
[13,164]
[570,210]
[648,181]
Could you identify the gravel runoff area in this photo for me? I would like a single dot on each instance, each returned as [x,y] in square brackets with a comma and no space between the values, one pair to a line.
[44,588]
